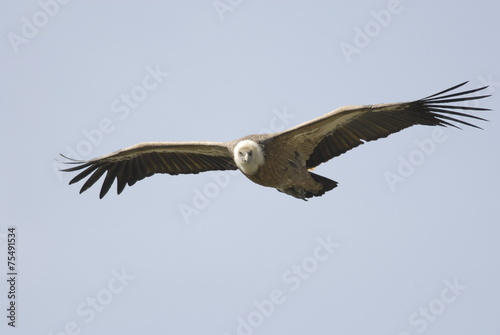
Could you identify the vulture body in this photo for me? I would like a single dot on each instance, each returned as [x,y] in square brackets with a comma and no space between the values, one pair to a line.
[281,160]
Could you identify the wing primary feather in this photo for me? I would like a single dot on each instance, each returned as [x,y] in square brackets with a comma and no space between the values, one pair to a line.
[439,109]
[443,101]
[76,168]
[108,181]
[71,160]
[441,116]
[82,174]
[123,176]
[459,94]
[463,108]
[134,171]
[93,178]
[447,90]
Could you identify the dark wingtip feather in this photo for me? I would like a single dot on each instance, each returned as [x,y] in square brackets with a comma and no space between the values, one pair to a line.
[447,90]
[89,169]
[438,105]
[99,171]
[108,182]
[71,161]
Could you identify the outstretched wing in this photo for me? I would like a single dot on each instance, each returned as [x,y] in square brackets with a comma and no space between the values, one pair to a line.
[135,163]
[347,127]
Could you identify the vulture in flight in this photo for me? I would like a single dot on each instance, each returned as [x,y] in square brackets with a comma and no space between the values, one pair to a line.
[282,160]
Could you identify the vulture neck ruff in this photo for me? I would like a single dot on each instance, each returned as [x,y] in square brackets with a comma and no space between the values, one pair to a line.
[248,156]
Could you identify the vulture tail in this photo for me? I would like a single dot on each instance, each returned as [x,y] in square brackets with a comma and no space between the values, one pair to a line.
[328,185]
[301,193]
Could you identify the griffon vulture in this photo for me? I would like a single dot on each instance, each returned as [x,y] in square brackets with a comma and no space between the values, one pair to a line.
[281,160]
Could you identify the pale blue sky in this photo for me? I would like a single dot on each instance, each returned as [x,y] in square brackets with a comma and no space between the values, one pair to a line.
[215,253]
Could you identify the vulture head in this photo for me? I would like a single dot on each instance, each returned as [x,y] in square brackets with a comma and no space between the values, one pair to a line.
[248,156]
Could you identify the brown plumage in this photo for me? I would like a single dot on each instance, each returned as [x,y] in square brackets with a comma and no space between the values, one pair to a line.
[281,160]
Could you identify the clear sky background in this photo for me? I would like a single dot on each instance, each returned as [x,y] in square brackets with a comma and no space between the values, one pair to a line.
[416,252]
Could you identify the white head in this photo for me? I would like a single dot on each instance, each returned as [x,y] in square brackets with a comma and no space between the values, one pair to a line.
[248,156]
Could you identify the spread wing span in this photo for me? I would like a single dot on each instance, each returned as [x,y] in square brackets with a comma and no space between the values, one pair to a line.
[132,164]
[313,142]
[347,127]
